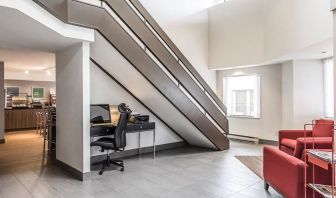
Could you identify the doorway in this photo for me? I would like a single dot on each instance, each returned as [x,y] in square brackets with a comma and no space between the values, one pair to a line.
[30,108]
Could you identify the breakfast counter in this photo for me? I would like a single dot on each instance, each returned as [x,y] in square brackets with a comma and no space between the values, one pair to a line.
[21,119]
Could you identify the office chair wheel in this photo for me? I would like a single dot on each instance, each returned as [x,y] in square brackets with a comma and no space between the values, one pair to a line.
[122,169]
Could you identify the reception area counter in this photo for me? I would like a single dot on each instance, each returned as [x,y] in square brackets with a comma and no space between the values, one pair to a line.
[21,119]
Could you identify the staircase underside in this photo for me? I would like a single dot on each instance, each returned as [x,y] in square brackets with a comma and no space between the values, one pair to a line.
[121,56]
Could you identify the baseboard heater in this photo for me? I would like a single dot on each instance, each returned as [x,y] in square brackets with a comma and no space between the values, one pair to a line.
[243,138]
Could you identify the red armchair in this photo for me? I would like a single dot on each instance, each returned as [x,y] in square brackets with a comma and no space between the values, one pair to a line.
[292,141]
[286,174]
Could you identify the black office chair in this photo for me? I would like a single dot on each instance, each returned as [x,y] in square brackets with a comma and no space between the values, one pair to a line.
[118,142]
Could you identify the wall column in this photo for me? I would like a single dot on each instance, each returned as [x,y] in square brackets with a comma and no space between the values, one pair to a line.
[2,104]
[73,109]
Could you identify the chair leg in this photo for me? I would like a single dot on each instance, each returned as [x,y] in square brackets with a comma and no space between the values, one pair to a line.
[266,185]
[119,163]
[107,163]
[102,169]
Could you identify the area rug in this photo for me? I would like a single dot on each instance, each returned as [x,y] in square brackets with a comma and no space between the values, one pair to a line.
[254,163]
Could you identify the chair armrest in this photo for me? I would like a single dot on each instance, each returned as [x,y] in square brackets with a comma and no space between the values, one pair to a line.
[293,134]
[312,142]
[284,172]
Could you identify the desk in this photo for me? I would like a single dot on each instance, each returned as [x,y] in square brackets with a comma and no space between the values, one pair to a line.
[98,130]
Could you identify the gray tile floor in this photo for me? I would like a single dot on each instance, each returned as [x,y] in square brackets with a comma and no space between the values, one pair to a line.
[186,172]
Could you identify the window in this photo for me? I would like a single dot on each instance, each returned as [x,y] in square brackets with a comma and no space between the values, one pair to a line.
[242,96]
[38,93]
[328,65]
[13,91]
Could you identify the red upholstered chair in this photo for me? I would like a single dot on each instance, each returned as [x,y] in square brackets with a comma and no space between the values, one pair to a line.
[286,174]
[292,141]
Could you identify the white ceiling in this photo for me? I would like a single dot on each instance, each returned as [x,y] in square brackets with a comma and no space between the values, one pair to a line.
[27,47]
[27,60]
[23,32]
[182,9]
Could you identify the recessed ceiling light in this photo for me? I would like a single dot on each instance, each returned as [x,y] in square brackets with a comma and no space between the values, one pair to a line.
[26,72]
[48,72]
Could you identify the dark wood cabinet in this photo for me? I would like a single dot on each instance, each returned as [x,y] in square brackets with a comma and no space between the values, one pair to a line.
[19,119]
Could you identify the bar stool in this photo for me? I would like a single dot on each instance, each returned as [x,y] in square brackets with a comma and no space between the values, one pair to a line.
[45,124]
[39,123]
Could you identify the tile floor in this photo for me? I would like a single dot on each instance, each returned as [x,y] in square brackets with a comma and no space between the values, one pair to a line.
[185,172]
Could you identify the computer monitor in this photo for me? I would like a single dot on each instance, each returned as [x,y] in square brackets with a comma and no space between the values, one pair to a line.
[100,113]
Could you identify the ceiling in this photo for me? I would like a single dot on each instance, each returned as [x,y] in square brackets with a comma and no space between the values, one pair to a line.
[182,9]
[23,32]
[27,47]
[27,60]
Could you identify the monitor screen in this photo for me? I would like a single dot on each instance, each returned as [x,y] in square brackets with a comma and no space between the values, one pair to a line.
[100,113]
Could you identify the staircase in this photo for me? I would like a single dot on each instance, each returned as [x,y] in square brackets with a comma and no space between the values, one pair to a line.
[124,29]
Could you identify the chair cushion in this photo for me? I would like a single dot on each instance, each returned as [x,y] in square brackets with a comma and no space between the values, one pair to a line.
[288,143]
[287,150]
[311,142]
[323,128]
[105,143]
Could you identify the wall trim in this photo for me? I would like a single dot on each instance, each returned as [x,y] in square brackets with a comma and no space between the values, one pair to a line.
[72,171]
[144,150]
[2,141]
[268,142]
[87,176]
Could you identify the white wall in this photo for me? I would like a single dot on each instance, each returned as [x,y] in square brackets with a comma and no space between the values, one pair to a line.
[256,32]
[287,95]
[105,90]
[291,96]
[302,93]
[270,85]
[73,106]
[186,23]
[293,25]
[332,4]
[307,91]
[236,34]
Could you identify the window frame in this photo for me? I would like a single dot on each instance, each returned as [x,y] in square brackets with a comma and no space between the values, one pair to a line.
[12,87]
[257,91]
[38,88]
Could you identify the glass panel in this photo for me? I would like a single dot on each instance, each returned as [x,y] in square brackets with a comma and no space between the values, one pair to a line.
[13,91]
[38,93]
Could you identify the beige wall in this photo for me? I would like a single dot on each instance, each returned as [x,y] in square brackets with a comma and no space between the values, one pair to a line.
[26,86]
